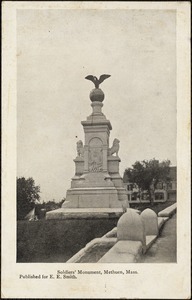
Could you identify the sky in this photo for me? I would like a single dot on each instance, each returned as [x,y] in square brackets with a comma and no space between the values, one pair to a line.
[56,50]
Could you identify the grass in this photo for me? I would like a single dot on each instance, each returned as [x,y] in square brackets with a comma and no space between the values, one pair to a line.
[57,240]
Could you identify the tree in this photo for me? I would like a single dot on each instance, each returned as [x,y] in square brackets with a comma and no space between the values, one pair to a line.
[42,208]
[27,195]
[146,174]
[52,205]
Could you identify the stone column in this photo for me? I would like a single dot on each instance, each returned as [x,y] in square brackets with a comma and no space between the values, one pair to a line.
[105,149]
[96,106]
[86,155]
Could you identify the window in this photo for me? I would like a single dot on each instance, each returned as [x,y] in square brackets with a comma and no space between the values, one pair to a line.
[159,196]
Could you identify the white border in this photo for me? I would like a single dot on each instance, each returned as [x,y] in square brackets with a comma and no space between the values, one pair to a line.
[156,281]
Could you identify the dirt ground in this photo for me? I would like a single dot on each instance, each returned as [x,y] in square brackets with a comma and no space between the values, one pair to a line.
[164,249]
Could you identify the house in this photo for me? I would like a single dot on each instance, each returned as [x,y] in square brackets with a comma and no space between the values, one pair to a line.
[172,186]
[163,191]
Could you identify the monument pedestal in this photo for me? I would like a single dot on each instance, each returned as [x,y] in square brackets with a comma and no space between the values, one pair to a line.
[84,213]
[97,185]
[97,189]
[103,197]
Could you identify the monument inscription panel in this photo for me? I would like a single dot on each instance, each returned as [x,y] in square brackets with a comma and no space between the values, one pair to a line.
[95,155]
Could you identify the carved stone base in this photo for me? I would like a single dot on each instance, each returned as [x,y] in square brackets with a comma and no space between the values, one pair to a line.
[98,179]
[96,190]
[106,197]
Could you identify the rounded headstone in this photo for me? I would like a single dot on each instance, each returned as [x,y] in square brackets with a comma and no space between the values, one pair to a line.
[150,221]
[130,227]
[97,95]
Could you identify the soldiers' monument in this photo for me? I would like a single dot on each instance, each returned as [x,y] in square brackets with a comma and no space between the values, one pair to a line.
[97,186]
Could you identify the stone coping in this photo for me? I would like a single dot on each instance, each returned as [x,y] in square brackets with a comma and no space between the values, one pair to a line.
[127,251]
[123,252]
[107,242]
[130,251]
[161,222]
[84,213]
[114,255]
[150,239]
[169,211]
[111,233]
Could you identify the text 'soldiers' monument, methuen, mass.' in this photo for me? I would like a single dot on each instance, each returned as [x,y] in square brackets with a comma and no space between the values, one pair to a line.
[97,187]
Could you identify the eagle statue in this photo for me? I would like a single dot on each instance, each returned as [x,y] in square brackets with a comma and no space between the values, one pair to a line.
[97,81]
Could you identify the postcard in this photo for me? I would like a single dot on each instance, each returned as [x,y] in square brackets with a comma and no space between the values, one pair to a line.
[96,150]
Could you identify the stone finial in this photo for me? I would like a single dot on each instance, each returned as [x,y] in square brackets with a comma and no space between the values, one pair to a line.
[130,227]
[114,148]
[150,221]
[80,149]
[97,95]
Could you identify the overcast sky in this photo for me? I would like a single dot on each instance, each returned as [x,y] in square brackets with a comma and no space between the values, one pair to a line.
[56,49]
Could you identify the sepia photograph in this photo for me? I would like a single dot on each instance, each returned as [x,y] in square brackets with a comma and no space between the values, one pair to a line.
[83,160]
[98,177]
